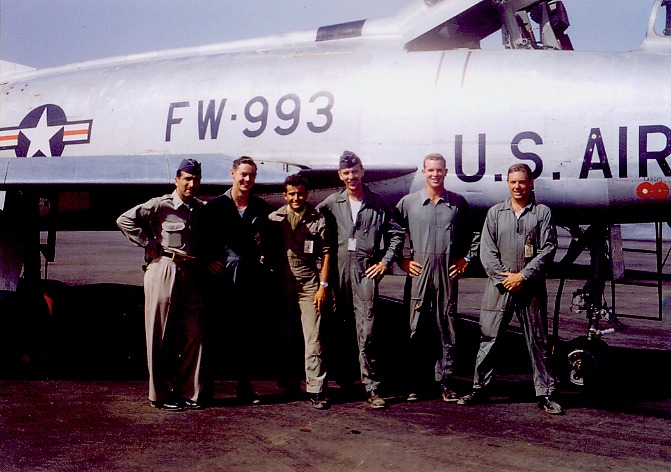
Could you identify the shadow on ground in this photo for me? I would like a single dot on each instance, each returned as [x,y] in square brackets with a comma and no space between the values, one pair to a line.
[97,332]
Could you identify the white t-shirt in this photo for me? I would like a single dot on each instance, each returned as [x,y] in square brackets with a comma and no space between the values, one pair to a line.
[355,205]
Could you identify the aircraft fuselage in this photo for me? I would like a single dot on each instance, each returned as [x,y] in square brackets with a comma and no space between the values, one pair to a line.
[595,127]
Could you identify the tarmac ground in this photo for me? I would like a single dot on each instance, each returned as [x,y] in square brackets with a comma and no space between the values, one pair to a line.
[73,391]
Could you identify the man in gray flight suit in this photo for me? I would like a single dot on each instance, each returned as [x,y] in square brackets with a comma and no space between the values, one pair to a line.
[300,239]
[166,228]
[366,239]
[442,242]
[519,240]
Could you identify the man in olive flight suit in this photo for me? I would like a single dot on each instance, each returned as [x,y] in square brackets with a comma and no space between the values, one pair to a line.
[442,242]
[518,242]
[366,239]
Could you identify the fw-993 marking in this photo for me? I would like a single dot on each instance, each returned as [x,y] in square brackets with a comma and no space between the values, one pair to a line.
[257,113]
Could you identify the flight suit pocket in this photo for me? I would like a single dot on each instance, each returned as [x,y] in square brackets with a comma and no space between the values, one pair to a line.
[172,234]
[531,245]
[495,298]
[492,311]
[304,242]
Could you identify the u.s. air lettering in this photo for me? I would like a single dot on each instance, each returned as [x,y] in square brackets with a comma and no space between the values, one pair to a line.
[212,113]
[654,144]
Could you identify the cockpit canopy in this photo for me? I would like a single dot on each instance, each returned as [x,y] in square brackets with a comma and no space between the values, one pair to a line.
[662,19]
[658,38]
[525,24]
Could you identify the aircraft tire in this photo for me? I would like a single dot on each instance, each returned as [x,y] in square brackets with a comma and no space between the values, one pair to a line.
[586,363]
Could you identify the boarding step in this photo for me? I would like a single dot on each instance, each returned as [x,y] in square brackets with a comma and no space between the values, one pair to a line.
[654,281]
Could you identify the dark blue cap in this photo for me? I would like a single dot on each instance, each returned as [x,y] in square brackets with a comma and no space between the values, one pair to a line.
[348,160]
[190,166]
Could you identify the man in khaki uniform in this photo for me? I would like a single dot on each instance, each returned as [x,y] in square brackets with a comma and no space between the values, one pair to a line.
[300,240]
[166,228]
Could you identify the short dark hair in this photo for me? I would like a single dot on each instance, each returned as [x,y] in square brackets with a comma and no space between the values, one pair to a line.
[244,160]
[520,167]
[295,180]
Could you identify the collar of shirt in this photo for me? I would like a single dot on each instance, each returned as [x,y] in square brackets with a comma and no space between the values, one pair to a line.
[427,198]
[306,214]
[344,197]
[177,201]
[252,202]
[531,206]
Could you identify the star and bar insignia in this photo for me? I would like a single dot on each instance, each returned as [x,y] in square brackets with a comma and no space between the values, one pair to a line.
[45,132]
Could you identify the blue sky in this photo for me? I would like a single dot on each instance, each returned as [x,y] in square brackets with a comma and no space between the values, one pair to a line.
[44,33]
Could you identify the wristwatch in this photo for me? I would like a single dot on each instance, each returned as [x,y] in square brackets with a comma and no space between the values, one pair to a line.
[324,284]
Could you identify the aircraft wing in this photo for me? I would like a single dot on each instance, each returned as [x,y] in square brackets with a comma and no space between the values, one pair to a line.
[152,170]
[127,170]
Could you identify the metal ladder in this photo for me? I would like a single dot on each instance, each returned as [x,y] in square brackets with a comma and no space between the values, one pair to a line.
[621,277]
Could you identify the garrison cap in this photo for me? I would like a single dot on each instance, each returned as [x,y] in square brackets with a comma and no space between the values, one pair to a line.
[190,166]
[349,160]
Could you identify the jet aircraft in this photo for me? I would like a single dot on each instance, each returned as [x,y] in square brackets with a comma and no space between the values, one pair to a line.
[82,142]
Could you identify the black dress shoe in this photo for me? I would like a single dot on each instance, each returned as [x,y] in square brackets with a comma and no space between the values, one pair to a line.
[172,406]
[167,406]
[191,405]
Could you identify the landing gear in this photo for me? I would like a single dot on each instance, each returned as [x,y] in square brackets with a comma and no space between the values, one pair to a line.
[580,303]
[586,355]
[587,358]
